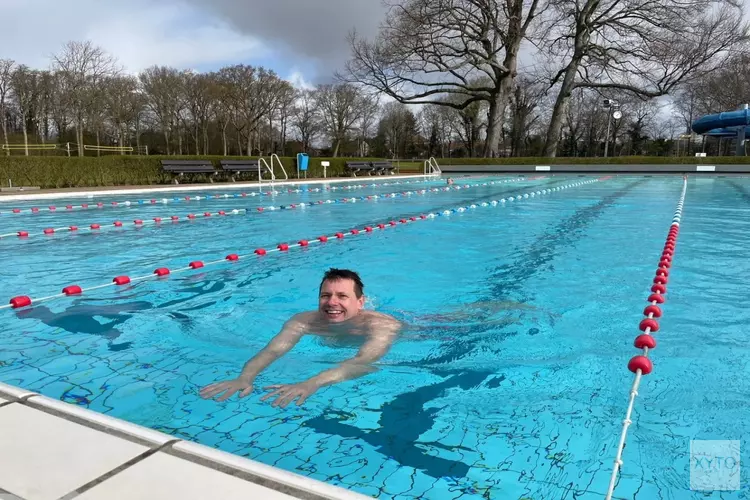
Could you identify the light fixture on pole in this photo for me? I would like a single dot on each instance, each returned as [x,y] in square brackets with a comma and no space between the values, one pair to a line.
[617,114]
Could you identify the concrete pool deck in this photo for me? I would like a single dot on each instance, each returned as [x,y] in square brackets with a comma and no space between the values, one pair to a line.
[46,194]
[50,449]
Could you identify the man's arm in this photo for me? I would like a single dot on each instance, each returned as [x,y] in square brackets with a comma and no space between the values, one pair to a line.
[361,364]
[287,338]
[282,343]
[376,346]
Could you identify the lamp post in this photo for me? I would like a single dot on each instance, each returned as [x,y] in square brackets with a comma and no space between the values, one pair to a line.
[616,114]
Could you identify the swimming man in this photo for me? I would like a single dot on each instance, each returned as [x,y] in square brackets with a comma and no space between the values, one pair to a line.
[340,314]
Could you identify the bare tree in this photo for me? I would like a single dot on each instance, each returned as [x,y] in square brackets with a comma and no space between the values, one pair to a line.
[430,49]
[82,67]
[526,97]
[339,110]
[24,83]
[306,119]
[158,84]
[368,112]
[397,127]
[7,67]
[644,47]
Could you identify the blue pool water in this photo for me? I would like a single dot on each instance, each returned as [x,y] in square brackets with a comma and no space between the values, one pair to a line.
[511,381]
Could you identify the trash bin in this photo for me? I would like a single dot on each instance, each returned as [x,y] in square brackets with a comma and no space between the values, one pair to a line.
[302,161]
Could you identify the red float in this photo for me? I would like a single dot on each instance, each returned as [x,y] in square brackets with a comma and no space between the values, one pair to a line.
[649,323]
[303,243]
[72,290]
[658,287]
[174,217]
[21,301]
[161,271]
[23,234]
[260,251]
[381,226]
[402,221]
[652,309]
[222,212]
[95,226]
[339,235]
[260,209]
[157,219]
[206,214]
[121,280]
[34,210]
[656,297]
[196,264]
[138,222]
[641,363]
[117,223]
[52,208]
[661,279]
[283,247]
[645,340]
[368,229]
[355,231]
[16,210]
[662,270]
[73,228]
[49,230]
[323,239]
[191,216]
[232,257]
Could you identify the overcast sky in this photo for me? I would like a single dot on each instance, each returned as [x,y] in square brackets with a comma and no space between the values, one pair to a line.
[303,40]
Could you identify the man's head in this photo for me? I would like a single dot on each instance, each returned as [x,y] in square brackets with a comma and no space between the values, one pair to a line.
[341,295]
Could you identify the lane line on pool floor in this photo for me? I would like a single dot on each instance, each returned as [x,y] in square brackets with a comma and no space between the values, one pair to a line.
[641,365]
[156,221]
[154,201]
[160,272]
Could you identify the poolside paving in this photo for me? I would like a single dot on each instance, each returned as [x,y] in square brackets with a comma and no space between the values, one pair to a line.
[54,450]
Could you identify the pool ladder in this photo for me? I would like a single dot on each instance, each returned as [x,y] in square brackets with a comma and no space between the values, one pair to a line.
[431,167]
[269,168]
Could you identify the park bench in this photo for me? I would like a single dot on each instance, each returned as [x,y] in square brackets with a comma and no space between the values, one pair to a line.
[358,166]
[182,167]
[382,167]
[236,167]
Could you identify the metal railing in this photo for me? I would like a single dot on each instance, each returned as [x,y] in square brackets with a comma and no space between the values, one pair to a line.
[274,155]
[431,166]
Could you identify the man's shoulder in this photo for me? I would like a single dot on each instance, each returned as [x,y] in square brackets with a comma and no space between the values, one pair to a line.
[381,318]
[302,319]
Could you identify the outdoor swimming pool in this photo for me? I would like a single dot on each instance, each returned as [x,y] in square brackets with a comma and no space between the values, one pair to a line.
[511,381]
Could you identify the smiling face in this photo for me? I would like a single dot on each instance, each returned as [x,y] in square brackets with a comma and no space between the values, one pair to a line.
[338,300]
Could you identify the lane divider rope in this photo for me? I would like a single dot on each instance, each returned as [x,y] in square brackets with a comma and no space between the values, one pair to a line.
[153,201]
[641,365]
[75,229]
[137,223]
[160,272]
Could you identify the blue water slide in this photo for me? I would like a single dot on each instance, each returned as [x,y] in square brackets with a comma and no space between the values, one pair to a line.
[718,124]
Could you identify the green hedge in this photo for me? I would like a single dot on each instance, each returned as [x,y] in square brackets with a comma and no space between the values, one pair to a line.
[57,172]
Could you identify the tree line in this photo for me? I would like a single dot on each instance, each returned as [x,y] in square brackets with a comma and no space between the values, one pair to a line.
[442,78]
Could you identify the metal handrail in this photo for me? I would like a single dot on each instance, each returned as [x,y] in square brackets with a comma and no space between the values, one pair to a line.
[274,155]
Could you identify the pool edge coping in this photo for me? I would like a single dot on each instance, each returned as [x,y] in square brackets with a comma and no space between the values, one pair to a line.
[284,481]
[200,187]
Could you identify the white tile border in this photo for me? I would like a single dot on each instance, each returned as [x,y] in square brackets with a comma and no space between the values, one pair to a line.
[220,460]
[13,392]
[151,436]
[272,474]
[202,187]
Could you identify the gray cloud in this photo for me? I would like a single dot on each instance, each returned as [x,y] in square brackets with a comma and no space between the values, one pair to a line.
[314,29]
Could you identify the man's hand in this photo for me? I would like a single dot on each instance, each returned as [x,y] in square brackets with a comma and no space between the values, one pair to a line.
[286,393]
[243,386]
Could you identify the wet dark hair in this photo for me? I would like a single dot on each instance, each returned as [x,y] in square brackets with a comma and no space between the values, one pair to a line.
[334,274]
